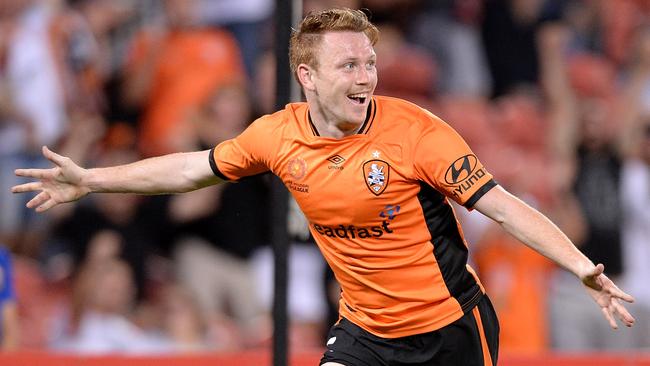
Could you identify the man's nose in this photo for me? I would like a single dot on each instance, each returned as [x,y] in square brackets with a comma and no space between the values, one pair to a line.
[363,76]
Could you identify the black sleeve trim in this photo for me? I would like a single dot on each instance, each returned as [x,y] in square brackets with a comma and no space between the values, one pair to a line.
[215,169]
[481,191]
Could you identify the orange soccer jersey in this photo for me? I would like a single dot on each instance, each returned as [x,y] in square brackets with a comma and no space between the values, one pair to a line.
[377,207]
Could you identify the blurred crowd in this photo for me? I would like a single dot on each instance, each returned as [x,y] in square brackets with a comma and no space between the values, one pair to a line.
[552,95]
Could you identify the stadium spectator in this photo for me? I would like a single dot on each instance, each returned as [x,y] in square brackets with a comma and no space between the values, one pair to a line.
[450,31]
[125,223]
[9,321]
[218,229]
[183,323]
[509,30]
[635,183]
[635,187]
[396,54]
[102,303]
[248,20]
[172,68]
[32,109]
[305,292]
[581,137]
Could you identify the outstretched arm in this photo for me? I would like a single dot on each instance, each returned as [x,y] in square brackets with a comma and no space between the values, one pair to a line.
[66,181]
[539,233]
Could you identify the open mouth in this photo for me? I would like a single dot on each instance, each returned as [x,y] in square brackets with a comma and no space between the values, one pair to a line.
[358,98]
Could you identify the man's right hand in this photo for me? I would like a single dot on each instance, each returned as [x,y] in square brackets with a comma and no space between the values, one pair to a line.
[60,184]
[608,296]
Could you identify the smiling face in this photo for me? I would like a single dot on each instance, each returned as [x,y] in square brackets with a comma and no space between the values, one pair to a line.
[340,84]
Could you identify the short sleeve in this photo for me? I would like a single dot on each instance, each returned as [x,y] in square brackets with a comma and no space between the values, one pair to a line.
[245,155]
[443,160]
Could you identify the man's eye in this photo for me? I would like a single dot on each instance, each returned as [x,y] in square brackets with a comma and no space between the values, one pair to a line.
[348,66]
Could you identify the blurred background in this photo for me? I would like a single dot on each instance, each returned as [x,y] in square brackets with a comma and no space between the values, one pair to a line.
[552,95]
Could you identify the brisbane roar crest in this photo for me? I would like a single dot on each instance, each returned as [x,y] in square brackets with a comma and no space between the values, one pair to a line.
[376,174]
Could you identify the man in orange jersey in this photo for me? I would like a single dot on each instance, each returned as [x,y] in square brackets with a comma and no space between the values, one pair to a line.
[373,176]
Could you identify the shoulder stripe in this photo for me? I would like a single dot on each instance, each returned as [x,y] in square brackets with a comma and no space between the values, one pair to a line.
[213,165]
[478,194]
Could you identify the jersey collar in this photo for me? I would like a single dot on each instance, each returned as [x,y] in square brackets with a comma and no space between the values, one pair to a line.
[365,127]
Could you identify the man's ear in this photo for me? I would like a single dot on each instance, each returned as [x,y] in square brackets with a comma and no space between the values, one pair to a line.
[305,76]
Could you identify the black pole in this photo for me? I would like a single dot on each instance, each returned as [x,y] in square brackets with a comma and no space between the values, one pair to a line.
[283,23]
[279,236]
[280,242]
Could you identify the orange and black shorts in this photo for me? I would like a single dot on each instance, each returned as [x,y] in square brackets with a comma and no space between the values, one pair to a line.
[472,340]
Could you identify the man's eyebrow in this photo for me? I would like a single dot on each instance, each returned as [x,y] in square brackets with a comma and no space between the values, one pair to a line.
[353,58]
[349,59]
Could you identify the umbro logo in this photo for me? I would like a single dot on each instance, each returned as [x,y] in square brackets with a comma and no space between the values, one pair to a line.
[336,159]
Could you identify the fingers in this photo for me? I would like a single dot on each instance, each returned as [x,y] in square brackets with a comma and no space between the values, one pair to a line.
[55,158]
[52,156]
[42,202]
[616,292]
[598,270]
[615,308]
[610,319]
[619,294]
[34,173]
[40,199]
[47,205]
[27,187]
[608,296]
[623,314]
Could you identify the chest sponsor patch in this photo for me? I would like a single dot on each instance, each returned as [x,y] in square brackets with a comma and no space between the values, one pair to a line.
[376,174]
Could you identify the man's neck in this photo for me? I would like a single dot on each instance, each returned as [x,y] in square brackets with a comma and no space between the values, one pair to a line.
[337,131]
[331,128]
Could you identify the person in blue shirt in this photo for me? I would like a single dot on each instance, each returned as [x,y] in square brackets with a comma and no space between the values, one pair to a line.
[8,308]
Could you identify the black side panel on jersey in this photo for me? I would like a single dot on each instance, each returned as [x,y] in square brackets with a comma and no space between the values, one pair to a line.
[448,247]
